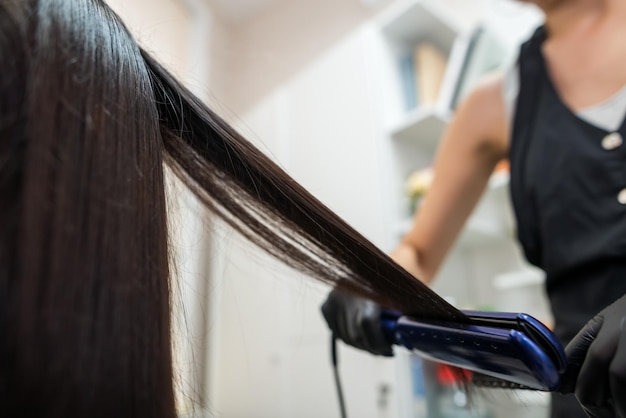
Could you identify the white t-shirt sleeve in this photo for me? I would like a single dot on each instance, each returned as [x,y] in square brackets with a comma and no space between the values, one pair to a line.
[608,114]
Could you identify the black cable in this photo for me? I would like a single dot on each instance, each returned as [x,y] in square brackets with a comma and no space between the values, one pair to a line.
[333,350]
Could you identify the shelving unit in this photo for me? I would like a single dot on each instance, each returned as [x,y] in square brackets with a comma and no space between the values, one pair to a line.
[427,21]
[422,127]
[485,254]
[412,136]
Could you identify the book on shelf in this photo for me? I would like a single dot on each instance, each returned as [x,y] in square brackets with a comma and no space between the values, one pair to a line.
[430,65]
[422,71]
[409,85]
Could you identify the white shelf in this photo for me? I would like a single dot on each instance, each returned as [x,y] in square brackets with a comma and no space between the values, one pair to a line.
[499,181]
[528,276]
[420,20]
[478,229]
[409,24]
[421,127]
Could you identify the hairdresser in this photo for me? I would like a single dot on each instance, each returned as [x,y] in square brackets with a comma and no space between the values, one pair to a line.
[558,115]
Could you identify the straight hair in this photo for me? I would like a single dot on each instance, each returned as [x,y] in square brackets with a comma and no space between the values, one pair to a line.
[87,122]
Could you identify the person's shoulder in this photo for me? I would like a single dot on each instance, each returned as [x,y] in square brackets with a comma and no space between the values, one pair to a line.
[485,112]
[488,90]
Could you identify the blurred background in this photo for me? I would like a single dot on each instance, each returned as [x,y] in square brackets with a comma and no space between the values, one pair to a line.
[350,97]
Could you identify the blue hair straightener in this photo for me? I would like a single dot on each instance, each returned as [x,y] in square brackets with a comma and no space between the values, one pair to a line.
[508,350]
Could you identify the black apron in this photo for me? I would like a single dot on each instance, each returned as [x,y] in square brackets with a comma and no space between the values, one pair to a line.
[568,179]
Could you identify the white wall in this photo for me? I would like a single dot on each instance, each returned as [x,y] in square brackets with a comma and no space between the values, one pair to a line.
[271,46]
[274,344]
[162,26]
[178,34]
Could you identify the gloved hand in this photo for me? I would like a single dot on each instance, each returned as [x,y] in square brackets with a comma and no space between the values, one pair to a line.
[599,350]
[356,321]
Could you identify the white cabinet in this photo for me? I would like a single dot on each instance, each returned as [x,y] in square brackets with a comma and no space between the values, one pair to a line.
[485,269]
[409,137]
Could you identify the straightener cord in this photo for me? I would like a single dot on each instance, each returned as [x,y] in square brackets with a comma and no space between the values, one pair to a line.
[333,350]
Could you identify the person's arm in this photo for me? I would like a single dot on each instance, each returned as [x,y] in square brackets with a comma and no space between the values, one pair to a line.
[475,141]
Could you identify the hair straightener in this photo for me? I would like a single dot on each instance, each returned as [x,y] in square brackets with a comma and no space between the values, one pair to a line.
[508,350]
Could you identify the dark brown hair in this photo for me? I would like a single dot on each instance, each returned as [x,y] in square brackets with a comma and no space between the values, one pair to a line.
[87,122]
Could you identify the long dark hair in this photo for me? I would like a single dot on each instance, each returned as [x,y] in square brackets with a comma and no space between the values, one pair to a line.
[87,122]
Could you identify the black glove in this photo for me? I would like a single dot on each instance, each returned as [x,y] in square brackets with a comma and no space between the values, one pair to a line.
[599,352]
[356,321]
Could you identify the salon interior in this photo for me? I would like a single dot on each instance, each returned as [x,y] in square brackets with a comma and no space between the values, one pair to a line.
[351,98]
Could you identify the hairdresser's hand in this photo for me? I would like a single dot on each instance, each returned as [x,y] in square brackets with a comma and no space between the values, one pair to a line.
[599,351]
[356,321]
